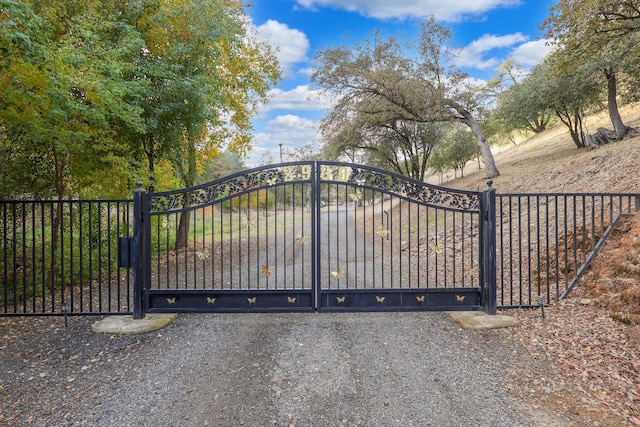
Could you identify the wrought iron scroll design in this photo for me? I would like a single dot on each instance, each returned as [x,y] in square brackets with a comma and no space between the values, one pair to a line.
[418,191]
[206,194]
[257,179]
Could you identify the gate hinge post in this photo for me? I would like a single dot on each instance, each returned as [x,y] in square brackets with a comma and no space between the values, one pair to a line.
[489,249]
[137,243]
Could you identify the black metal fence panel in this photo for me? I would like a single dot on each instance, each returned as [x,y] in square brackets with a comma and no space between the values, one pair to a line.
[545,241]
[301,236]
[60,257]
[241,242]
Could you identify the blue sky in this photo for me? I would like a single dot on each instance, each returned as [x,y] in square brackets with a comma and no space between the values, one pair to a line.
[487,32]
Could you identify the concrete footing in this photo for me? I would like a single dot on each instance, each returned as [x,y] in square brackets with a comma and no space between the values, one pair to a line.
[127,325]
[479,320]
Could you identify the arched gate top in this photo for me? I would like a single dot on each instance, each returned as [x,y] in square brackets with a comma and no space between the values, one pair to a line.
[309,172]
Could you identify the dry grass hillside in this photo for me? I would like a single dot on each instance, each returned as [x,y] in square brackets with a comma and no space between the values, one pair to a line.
[586,351]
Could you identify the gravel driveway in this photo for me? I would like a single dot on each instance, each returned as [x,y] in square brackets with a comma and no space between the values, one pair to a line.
[353,369]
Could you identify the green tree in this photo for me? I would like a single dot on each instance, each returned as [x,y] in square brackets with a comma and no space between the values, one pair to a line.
[457,148]
[202,78]
[603,33]
[522,108]
[569,96]
[62,91]
[386,82]
[403,146]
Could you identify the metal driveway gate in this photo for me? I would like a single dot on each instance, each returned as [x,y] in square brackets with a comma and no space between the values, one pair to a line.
[309,236]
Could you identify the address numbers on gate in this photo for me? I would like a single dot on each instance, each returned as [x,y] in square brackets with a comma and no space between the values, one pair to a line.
[327,173]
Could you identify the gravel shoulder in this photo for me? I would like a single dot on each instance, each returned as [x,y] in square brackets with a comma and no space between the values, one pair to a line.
[355,369]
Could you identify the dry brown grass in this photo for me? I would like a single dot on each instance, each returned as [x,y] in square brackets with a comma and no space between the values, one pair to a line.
[587,349]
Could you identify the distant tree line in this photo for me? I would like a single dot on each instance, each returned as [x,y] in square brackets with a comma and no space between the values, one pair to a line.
[400,104]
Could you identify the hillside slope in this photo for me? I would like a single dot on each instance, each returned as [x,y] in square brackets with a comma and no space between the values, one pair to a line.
[551,162]
[586,351]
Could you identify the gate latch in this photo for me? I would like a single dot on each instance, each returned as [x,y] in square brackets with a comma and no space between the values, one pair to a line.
[124,251]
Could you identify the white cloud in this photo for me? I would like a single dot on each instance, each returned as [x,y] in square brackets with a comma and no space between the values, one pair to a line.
[307,72]
[473,55]
[289,130]
[386,9]
[301,98]
[291,45]
[531,53]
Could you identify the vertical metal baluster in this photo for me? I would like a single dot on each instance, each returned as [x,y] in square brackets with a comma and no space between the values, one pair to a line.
[72,239]
[427,262]
[501,231]
[34,260]
[584,232]
[437,243]
[539,283]
[445,238]
[453,248]
[546,249]
[463,251]
[5,262]
[575,234]
[23,233]
[557,246]
[99,267]
[410,246]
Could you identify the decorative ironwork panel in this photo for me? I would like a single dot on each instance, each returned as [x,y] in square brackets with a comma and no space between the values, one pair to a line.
[401,185]
[219,190]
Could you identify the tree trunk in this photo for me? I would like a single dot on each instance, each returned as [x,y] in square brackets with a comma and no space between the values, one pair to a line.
[614,113]
[574,122]
[182,234]
[188,179]
[59,168]
[491,171]
[55,236]
[148,147]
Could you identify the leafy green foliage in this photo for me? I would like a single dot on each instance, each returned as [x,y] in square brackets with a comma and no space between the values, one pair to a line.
[455,151]
[94,92]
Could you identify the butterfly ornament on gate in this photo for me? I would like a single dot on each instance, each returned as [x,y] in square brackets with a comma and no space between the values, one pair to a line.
[266,270]
[382,231]
[470,270]
[246,222]
[271,181]
[436,248]
[339,273]
[302,239]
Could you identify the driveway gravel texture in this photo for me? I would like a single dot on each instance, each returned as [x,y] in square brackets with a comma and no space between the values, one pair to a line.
[315,369]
